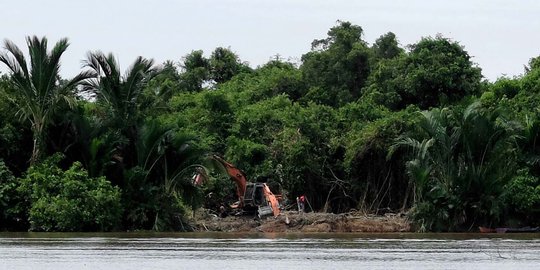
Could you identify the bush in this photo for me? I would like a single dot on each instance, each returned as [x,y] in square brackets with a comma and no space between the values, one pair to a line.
[69,200]
[8,198]
[7,182]
[523,195]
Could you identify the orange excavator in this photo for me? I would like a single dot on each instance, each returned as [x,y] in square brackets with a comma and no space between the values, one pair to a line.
[252,196]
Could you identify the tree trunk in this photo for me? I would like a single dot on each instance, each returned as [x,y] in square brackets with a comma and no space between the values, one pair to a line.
[37,132]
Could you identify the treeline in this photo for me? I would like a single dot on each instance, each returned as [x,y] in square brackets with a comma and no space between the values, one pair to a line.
[372,127]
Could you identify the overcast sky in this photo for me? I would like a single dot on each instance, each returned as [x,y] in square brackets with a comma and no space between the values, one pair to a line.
[500,35]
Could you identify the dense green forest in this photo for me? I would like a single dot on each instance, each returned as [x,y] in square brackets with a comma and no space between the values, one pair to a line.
[371,127]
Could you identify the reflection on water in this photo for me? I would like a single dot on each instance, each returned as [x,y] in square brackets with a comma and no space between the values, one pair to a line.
[234,251]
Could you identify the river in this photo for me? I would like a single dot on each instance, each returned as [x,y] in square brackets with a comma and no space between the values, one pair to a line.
[55,251]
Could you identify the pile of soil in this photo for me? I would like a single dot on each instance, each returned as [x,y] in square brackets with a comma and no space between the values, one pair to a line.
[293,221]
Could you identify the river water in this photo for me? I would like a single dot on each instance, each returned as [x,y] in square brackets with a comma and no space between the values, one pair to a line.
[35,251]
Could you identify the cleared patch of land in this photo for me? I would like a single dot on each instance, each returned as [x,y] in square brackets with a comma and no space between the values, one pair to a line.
[293,221]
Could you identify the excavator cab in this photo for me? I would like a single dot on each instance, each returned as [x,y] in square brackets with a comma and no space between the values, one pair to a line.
[258,198]
[254,195]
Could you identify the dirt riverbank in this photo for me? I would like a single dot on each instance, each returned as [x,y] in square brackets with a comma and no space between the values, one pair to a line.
[293,221]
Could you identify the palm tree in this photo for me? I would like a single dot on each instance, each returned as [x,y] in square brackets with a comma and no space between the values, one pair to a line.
[433,156]
[168,159]
[120,93]
[461,166]
[121,98]
[36,89]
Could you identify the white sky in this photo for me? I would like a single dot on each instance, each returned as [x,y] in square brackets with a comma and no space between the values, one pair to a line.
[500,35]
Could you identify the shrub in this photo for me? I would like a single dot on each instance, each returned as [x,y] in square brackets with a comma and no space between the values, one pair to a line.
[69,200]
[8,198]
[524,192]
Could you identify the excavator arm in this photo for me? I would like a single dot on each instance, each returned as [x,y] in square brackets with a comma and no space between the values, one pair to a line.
[237,176]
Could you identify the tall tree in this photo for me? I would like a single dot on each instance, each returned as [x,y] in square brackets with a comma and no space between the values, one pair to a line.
[225,64]
[337,67]
[119,93]
[387,46]
[121,97]
[196,71]
[36,89]
[437,71]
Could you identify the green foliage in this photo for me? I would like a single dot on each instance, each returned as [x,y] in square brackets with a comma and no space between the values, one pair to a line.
[261,120]
[376,181]
[7,184]
[278,79]
[531,80]
[69,200]
[15,136]
[443,72]
[287,143]
[149,206]
[343,128]
[119,94]
[524,192]
[253,131]
[435,72]
[505,87]
[273,79]
[387,46]
[534,64]
[337,67]
[158,191]
[37,91]
[196,71]
[385,83]
[160,88]
[225,64]
[9,198]
[206,115]
[241,151]
[460,167]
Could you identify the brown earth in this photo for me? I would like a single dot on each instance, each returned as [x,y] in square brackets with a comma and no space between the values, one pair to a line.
[293,221]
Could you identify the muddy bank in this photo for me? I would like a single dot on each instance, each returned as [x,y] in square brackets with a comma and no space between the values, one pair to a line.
[292,221]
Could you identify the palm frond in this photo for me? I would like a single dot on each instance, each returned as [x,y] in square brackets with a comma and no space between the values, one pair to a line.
[121,94]
[136,78]
[17,62]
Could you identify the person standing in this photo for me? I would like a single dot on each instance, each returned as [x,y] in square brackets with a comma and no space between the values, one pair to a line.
[301,201]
